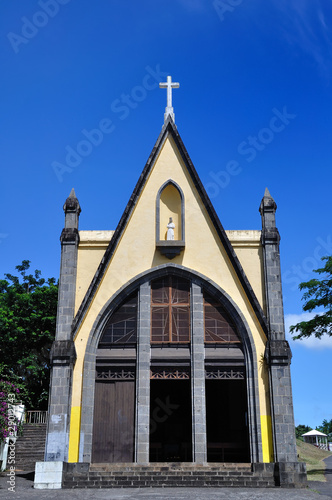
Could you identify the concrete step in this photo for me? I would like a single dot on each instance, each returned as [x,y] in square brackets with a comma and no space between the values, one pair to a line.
[34,426]
[173,466]
[30,446]
[20,456]
[167,475]
[155,481]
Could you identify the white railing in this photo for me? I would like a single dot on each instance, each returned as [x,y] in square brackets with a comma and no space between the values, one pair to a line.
[35,417]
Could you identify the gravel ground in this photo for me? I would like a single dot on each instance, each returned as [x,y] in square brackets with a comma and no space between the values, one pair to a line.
[325,488]
[24,491]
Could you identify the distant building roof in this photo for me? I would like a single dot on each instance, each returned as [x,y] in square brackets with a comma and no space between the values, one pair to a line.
[314,433]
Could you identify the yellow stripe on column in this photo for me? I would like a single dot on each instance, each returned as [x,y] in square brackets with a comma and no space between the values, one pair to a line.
[267,442]
[74,435]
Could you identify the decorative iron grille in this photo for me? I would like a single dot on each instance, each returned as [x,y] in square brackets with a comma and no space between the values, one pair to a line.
[170,373]
[224,374]
[170,316]
[115,374]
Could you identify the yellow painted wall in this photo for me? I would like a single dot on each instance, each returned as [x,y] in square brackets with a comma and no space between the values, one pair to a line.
[74,436]
[266,423]
[248,248]
[136,253]
[267,441]
[91,249]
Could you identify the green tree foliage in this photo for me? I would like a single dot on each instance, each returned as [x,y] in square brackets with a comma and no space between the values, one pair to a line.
[326,427]
[318,295]
[27,325]
[301,429]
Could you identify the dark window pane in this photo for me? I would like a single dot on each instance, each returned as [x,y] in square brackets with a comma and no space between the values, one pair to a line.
[160,291]
[180,291]
[218,325]
[180,324]
[160,324]
[122,326]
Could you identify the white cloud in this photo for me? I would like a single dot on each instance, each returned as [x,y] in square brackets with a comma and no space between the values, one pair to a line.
[322,20]
[325,342]
[304,26]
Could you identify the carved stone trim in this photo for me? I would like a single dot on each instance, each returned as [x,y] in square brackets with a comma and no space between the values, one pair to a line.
[270,236]
[278,352]
[69,236]
[72,205]
[63,352]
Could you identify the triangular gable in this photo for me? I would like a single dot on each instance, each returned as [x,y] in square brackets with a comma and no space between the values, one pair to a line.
[169,128]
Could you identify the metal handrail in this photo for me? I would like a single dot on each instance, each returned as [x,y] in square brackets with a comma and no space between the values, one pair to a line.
[35,417]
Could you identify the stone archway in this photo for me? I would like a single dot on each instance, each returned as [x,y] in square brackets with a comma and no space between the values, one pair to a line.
[142,414]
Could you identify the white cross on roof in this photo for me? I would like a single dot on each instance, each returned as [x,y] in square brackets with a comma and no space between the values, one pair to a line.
[169,85]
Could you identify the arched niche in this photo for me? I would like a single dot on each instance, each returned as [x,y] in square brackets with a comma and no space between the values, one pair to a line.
[170,204]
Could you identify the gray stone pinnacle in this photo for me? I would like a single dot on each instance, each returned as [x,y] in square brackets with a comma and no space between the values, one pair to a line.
[72,194]
[267,193]
[72,204]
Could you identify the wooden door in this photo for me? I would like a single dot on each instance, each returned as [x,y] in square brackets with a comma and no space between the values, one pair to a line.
[114,421]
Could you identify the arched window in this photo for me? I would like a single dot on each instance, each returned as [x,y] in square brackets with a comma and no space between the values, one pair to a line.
[170,310]
[173,316]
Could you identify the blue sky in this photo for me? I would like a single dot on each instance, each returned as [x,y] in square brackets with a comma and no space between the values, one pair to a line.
[253,110]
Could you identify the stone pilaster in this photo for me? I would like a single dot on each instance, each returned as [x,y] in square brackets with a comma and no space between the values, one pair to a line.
[278,354]
[198,376]
[272,272]
[63,353]
[63,357]
[68,268]
[142,434]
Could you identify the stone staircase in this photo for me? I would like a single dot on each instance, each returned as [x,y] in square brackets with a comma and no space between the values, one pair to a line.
[168,475]
[30,447]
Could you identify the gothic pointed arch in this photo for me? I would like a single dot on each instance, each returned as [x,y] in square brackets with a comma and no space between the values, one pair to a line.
[170,203]
[141,284]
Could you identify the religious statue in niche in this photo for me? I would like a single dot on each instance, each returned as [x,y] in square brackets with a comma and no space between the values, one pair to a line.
[170,229]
